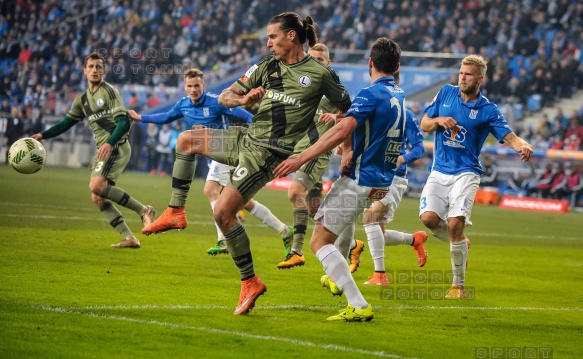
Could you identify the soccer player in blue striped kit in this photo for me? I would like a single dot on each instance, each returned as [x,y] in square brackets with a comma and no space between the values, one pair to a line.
[462,119]
[372,136]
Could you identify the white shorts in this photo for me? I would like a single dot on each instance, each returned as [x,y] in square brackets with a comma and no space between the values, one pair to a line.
[394,197]
[219,172]
[449,196]
[345,202]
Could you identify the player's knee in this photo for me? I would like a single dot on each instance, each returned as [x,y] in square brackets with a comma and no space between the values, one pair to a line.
[224,217]
[430,220]
[297,199]
[98,201]
[96,187]
[184,142]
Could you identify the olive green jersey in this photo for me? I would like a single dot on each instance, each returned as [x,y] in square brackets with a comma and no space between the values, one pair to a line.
[316,130]
[101,108]
[293,93]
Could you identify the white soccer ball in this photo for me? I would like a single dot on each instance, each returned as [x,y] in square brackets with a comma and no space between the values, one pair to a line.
[27,155]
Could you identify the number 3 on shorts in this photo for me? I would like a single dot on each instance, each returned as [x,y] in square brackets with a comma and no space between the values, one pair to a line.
[423,203]
[240,173]
[99,166]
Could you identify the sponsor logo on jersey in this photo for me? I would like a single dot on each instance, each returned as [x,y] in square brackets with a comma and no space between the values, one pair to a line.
[455,136]
[305,81]
[280,97]
[100,102]
[100,114]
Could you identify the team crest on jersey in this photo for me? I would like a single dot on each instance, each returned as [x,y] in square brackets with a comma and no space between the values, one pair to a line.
[473,114]
[100,102]
[305,81]
[206,112]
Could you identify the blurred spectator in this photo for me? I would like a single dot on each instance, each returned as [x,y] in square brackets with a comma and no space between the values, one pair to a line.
[134,102]
[559,182]
[543,182]
[150,147]
[539,142]
[557,129]
[163,149]
[572,143]
[5,108]
[575,129]
[37,124]
[136,139]
[557,142]
[540,86]
[490,176]
[575,185]
[544,127]
[152,100]
[14,128]
[561,117]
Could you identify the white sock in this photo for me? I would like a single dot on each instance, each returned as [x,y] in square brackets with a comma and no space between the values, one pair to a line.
[394,238]
[264,214]
[459,255]
[220,235]
[345,241]
[441,232]
[374,235]
[337,269]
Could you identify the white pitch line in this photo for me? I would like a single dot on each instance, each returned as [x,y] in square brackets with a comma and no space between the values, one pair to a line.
[211,223]
[310,307]
[381,354]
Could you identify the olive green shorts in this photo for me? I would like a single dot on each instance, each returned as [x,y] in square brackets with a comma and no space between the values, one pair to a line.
[113,167]
[253,164]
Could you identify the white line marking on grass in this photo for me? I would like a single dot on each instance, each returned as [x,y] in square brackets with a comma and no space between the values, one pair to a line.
[233,333]
[261,225]
[308,307]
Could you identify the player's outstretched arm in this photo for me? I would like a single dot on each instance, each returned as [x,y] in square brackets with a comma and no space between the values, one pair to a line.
[56,129]
[519,145]
[332,138]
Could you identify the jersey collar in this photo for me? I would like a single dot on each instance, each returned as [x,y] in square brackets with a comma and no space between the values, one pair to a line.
[389,79]
[201,100]
[481,101]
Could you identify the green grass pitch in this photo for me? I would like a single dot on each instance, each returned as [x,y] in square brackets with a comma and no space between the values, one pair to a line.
[64,293]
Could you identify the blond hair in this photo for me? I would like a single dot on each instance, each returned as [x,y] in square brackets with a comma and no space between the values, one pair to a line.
[323,48]
[476,60]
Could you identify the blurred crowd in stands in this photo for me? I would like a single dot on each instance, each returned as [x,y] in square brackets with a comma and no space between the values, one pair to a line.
[534,48]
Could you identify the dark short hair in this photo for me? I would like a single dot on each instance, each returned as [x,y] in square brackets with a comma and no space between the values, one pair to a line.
[94,56]
[385,54]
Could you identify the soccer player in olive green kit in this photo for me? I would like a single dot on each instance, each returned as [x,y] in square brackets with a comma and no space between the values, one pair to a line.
[305,191]
[103,105]
[290,85]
